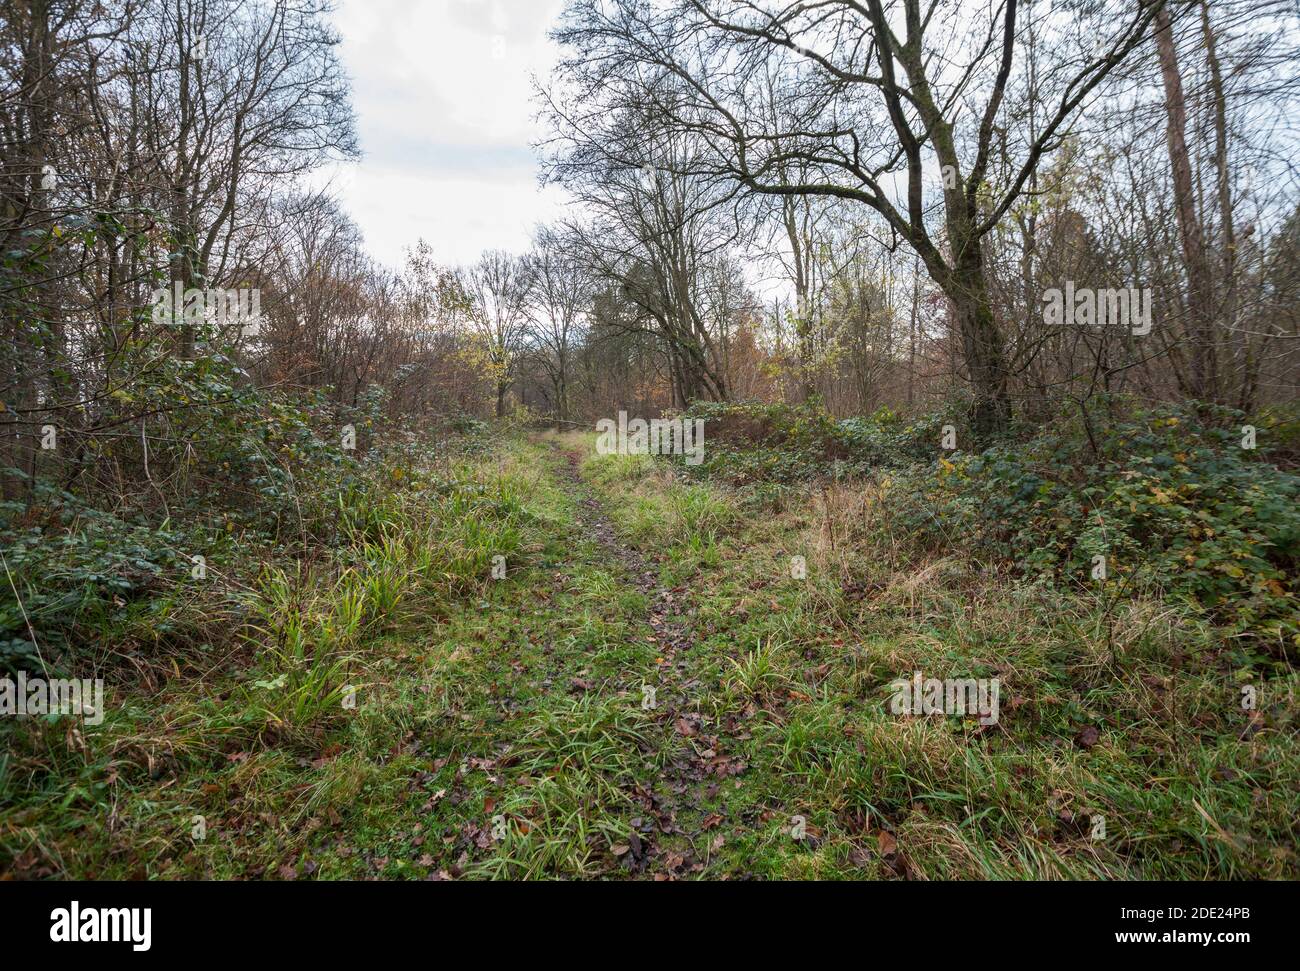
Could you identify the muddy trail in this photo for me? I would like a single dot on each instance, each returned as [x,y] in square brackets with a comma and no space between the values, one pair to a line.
[678,831]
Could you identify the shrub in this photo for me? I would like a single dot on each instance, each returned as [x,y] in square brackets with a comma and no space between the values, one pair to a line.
[1170,503]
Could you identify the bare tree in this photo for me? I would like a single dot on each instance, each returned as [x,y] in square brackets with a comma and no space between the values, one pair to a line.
[561,293]
[870,91]
[498,286]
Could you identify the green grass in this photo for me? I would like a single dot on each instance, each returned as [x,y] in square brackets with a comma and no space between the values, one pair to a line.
[499,730]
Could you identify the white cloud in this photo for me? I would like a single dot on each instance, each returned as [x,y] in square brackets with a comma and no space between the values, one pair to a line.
[444,107]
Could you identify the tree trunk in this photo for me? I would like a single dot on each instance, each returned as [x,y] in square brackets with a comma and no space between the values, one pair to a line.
[1247,365]
[22,427]
[981,340]
[1204,367]
[801,260]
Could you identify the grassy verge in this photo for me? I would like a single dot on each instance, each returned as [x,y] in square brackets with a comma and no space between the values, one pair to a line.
[344,673]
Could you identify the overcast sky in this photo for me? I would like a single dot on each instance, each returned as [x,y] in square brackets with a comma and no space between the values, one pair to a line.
[445,118]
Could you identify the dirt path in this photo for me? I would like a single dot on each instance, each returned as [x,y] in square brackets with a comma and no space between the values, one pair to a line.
[673,838]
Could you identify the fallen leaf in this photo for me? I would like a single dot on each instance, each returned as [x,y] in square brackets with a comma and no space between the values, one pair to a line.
[887,844]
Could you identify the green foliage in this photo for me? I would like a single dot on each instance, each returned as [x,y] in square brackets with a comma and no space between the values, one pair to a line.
[885,440]
[1170,502]
[756,442]
[469,426]
[68,566]
[801,426]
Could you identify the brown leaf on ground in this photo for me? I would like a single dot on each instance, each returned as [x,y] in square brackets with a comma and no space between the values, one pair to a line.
[429,803]
[723,767]
[887,844]
[859,857]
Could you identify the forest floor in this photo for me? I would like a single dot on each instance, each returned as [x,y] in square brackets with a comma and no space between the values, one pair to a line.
[651,692]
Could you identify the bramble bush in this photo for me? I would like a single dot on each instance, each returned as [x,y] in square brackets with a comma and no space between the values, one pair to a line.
[753,442]
[758,442]
[1170,501]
